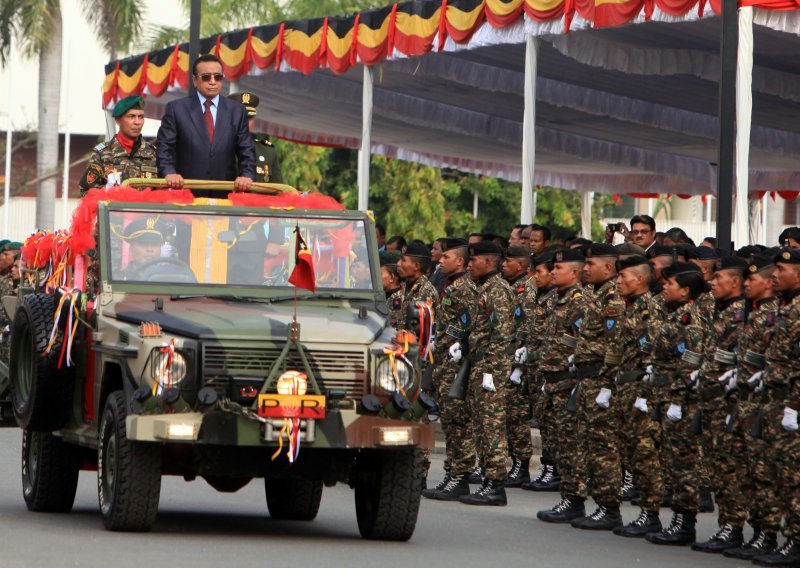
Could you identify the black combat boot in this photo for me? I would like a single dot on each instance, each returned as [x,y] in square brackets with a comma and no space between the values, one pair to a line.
[476,477]
[646,522]
[438,487]
[550,482]
[605,518]
[519,473]
[564,511]
[706,501]
[786,555]
[628,489]
[492,492]
[455,488]
[527,485]
[761,544]
[680,532]
[726,537]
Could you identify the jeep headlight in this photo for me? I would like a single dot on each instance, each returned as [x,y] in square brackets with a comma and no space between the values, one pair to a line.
[166,372]
[390,379]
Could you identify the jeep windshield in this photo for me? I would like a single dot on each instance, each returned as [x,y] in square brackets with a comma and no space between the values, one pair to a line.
[195,248]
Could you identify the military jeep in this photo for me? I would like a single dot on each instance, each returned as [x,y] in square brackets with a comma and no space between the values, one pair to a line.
[200,358]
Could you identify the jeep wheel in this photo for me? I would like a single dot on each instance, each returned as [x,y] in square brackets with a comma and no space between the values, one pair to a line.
[128,473]
[388,485]
[40,391]
[50,468]
[293,499]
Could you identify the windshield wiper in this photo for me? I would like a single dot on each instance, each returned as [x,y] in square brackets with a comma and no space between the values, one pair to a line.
[323,296]
[225,297]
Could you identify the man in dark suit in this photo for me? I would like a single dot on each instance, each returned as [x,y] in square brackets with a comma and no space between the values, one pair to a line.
[205,136]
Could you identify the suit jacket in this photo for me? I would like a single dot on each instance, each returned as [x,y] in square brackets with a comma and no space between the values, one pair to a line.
[183,146]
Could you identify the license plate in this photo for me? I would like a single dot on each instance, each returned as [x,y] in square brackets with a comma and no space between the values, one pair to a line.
[307,406]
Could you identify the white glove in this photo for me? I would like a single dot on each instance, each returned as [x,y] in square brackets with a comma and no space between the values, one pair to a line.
[166,250]
[488,382]
[674,412]
[571,364]
[516,376]
[756,381]
[640,404]
[694,380]
[521,356]
[544,388]
[603,399]
[647,378]
[431,345]
[454,353]
[727,377]
[113,178]
[789,421]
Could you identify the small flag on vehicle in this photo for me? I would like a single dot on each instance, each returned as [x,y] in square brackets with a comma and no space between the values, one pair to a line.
[303,274]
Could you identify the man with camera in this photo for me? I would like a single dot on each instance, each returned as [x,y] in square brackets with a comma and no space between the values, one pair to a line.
[641,233]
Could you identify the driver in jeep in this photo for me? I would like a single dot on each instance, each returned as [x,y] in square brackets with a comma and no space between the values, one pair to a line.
[145,236]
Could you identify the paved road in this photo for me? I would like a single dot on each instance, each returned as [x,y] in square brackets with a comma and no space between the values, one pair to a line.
[200,527]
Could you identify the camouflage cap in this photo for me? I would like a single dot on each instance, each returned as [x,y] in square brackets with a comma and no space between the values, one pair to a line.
[145,231]
[248,99]
[787,256]
[128,103]
[518,251]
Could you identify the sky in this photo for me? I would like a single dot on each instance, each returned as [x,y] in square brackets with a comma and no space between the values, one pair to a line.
[82,74]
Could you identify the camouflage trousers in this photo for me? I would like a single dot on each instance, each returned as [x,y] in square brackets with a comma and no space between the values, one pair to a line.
[544,418]
[488,411]
[723,449]
[759,487]
[569,437]
[640,447]
[456,424]
[782,471]
[680,451]
[518,421]
[601,444]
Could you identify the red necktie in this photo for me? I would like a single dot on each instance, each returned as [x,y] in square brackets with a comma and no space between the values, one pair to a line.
[209,121]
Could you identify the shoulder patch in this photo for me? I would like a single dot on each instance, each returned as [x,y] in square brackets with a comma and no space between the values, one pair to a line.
[101,146]
[611,311]
[681,347]
[770,319]
[738,315]
[686,319]
[578,323]
[610,323]
[518,312]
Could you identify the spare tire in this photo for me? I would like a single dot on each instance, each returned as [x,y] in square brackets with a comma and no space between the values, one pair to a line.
[40,391]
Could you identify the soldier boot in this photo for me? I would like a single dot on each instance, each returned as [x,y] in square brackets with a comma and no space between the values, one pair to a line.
[647,522]
[476,477]
[628,489]
[605,518]
[455,488]
[762,544]
[429,492]
[492,492]
[550,482]
[565,511]
[680,531]
[787,555]
[519,473]
[726,537]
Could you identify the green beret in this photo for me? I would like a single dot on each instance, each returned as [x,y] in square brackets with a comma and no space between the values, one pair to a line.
[11,246]
[248,99]
[3,243]
[126,104]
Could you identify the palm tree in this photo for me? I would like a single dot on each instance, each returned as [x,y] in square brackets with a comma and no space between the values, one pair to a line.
[36,25]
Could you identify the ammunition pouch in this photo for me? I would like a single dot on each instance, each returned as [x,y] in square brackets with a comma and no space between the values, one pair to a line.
[692,357]
[612,359]
[712,393]
[725,357]
[569,341]
[558,386]
[587,371]
[757,360]
[628,377]
[646,347]
[454,332]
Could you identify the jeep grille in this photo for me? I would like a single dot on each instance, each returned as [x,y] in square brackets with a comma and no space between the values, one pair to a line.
[333,369]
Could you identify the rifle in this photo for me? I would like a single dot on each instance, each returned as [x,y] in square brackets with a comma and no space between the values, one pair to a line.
[696,427]
[458,390]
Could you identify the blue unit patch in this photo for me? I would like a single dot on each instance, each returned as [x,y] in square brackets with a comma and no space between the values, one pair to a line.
[642,340]
[681,347]
[578,323]
[518,312]
[465,318]
[610,323]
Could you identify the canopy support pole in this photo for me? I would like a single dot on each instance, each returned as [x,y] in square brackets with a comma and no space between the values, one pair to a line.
[586,214]
[366,141]
[744,115]
[9,135]
[527,209]
[475,205]
[194,40]
[727,123]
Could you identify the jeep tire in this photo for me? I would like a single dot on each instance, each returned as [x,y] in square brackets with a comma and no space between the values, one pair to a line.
[293,499]
[388,487]
[40,391]
[50,468]
[128,473]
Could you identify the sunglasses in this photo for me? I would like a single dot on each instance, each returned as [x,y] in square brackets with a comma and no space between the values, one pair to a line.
[206,77]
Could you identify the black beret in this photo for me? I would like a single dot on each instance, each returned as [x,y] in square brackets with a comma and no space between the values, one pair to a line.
[602,249]
[759,262]
[701,253]
[518,251]
[580,242]
[568,255]
[451,243]
[387,258]
[731,262]
[631,261]
[544,258]
[126,104]
[749,250]
[418,250]
[248,99]
[485,248]
[680,268]
[660,250]
[787,256]
[628,249]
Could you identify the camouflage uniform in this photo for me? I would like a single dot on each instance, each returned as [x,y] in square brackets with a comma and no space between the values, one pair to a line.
[112,157]
[518,408]
[420,290]
[597,368]
[781,389]
[395,300]
[559,339]
[268,168]
[722,447]
[454,317]
[758,486]
[8,287]
[490,353]
[681,335]
[640,435]
[545,302]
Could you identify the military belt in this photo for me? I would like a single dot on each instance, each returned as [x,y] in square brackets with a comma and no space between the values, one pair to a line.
[628,377]
[557,376]
[660,380]
[569,341]
[712,392]
[612,359]
[692,357]
[587,371]
[757,360]
[725,357]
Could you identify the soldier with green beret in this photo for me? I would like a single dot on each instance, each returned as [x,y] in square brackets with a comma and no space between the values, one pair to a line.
[268,168]
[8,250]
[125,156]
